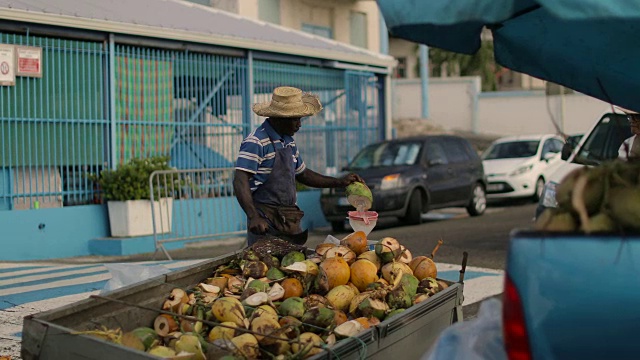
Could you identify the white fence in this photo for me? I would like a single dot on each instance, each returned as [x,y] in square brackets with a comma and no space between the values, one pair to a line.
[458,104]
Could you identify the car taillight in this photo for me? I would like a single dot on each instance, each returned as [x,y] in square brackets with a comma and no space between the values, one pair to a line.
[516,340]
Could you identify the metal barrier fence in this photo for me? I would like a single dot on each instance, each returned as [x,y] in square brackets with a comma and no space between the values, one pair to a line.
[100,104]
[202,206]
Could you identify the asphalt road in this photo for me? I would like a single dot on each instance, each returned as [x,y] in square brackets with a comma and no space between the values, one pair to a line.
[485,237]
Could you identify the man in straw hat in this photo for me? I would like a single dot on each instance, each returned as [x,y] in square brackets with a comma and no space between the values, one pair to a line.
[630,148]
[269,164]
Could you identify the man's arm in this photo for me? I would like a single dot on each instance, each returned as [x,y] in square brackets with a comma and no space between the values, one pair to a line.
[311,178]
[257,224]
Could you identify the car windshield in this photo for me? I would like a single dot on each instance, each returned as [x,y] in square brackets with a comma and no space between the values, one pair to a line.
[387,154]
[511,150]
[605,139]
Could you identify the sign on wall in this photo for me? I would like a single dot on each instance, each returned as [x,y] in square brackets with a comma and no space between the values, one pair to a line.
[7,65]
[29,61]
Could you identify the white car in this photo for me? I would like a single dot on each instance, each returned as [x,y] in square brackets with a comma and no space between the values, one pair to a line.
[515,165]
[599,144]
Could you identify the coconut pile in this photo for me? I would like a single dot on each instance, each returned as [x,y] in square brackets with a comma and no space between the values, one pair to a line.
[261,305]
[600,199]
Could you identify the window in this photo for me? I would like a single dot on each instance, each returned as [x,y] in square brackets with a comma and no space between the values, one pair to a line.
[456,151]
[401,69]
[269,11]
[604,140]
[358,23]
[387,154]
[318,30]
[512,150]
[435,153]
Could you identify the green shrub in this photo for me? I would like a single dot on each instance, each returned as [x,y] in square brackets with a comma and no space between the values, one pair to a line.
[130,181]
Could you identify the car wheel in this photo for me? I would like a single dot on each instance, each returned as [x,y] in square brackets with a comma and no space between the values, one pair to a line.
[413,216]
[337,226]
[478,203]
[538,189]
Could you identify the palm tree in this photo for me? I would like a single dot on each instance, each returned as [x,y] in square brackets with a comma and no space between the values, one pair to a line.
[482,64]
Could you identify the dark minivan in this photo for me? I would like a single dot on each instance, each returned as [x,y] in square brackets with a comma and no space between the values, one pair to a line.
[410,176]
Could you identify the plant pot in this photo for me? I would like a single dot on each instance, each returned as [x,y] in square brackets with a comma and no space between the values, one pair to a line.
[134,217]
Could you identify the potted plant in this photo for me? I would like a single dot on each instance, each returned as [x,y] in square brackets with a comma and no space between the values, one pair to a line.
[126,190]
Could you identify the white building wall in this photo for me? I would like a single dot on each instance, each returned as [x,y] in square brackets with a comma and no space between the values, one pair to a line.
[334,14]
[407,49]
[454,106]
[536,113]
[450,101]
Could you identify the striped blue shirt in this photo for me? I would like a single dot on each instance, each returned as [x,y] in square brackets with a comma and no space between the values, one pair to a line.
[257,154]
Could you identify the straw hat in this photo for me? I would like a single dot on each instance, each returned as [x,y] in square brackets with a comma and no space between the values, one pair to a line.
[289,102]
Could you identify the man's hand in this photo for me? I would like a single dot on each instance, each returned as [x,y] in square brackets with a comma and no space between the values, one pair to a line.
[350,178]
[258,225]
[311,178]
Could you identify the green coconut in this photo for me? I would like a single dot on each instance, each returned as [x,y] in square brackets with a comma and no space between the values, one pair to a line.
[319,318]
[255,269]
[402,295]
[191,344]
[372,308]
[259,285]
[275,274]
[393,313]
[599,222]
[291,258]
[293,306]
[162,351]
[556,220]
[142,338]
[625,209]
[359,196]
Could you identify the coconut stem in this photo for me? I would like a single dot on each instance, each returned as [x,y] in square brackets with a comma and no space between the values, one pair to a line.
[435,249]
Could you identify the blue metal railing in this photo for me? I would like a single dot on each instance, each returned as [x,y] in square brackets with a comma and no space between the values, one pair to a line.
[58,129]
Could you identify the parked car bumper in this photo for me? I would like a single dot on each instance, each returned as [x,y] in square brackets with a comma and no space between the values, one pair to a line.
[502,187]
[386,203]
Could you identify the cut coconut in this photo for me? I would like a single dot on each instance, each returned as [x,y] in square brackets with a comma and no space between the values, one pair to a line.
[359,196]
[211,289]
[347,254]
[177,298]
[276,293]
[257,299]
[299,266]
[165,324]
[348,329]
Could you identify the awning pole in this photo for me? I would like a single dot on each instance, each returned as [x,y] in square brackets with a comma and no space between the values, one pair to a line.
[424,79]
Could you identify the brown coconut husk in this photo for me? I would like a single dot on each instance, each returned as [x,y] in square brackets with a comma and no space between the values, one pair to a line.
[269,246]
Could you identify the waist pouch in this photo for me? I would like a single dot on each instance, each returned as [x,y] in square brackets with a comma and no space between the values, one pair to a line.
[286,219]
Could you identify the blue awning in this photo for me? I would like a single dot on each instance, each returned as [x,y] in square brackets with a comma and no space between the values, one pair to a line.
[590,46]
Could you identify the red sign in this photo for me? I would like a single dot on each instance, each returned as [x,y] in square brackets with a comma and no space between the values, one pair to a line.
[29,65]
[29,60]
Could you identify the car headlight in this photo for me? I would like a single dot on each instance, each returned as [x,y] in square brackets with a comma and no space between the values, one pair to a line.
[548,198]
[391,182]
[521,170]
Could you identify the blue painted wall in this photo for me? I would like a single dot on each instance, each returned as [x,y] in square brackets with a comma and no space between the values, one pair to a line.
[84,230]
[51,233]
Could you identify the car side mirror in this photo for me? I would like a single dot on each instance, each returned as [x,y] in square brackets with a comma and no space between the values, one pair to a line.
[567,149]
